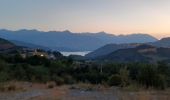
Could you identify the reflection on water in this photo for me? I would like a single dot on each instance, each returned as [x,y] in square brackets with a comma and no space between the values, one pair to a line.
[82,53]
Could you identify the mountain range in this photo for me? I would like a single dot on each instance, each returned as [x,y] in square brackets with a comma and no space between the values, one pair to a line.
[69,41]
[151,51]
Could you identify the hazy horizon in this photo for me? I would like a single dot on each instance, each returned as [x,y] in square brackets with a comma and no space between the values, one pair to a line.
[111,16]
[79,32]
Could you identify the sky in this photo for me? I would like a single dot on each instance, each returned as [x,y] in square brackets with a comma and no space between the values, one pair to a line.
[112,16]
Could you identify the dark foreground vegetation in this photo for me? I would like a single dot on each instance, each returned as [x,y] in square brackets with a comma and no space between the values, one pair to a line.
[67,71]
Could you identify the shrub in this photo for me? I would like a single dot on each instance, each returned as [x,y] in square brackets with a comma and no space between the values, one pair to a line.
[4,76]
[161,83]
[124,74]
[50,85]
[11,87]
[68,79]
[147,76]
[59,80]
[114,80]
[2,87]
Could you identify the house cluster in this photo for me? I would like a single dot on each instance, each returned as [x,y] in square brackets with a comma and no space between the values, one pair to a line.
[28,52]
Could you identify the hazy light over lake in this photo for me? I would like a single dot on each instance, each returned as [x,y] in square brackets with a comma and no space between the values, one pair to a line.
[75,53]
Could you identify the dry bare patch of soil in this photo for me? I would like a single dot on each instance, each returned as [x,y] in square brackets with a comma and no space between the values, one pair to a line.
[79,92]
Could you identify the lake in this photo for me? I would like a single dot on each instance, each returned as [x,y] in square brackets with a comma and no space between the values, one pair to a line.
[81,53]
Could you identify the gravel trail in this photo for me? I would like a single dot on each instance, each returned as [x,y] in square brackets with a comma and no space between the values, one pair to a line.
[22,95]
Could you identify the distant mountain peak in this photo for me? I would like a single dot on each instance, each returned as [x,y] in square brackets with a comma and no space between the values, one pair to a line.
[81,42]
[165,39]
[31,30]
[102,32]
[67,31]
[136,34]
[4,30]
[144,46]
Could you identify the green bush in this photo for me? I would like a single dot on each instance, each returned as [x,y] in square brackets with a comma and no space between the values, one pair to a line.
[124,74]
[160,82]
[68,79]
[114,80]
[4,76]
[58,80]
[11,87]
[51,85]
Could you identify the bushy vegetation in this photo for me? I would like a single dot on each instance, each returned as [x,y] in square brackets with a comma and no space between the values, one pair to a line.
[67,71]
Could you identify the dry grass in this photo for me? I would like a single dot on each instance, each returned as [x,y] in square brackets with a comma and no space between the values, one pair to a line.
[145,95]
[10,86]
[51,85]
[88,87]
[86,91]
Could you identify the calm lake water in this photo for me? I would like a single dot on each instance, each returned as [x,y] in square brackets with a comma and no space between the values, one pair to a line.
[82,53]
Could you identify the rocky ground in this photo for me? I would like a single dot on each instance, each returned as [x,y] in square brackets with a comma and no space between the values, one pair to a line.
[43,92]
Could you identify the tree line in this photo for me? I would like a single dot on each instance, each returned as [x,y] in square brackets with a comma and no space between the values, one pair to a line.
[68,71]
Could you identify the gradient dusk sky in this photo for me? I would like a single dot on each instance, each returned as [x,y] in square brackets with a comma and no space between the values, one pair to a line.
[112,16]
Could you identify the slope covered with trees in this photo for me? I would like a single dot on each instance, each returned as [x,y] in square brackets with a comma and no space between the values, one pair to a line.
[67,71]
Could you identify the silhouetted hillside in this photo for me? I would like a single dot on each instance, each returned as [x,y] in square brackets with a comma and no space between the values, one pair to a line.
[29,45]
[109,48]
[164,42]
[142,53]
[5,44]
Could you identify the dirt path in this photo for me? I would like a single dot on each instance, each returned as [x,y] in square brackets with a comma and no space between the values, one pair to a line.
[41,92]
[91,95]
[22,95]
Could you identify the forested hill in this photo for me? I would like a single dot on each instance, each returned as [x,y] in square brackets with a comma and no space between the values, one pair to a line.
[142,53]
[5,44]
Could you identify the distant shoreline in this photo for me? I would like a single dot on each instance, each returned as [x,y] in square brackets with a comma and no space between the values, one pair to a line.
[81,53]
